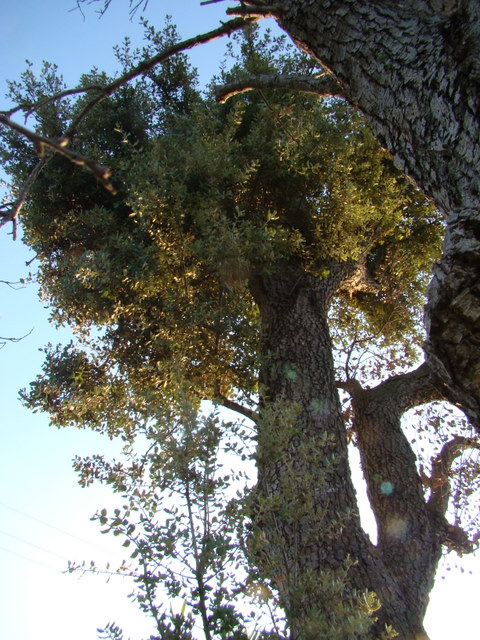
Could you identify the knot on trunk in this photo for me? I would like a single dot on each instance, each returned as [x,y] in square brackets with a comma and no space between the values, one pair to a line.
[359,280]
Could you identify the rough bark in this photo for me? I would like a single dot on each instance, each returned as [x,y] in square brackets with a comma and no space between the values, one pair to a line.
[306,508]
[413,69]
[439,483]
[409,536]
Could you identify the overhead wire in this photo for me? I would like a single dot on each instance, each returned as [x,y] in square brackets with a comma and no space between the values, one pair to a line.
[28,559]
[51,526]
[32,544]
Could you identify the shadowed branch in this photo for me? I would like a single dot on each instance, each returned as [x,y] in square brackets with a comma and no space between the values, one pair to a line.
[323,85]
[439,482]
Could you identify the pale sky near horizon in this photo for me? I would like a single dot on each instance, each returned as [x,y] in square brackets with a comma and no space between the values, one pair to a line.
[44,514]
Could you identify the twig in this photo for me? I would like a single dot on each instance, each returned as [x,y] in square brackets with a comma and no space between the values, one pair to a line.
[12,214]
[13,285]
[30,108]
[3,340]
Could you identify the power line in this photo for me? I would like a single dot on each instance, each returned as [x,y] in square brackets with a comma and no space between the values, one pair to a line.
[32,544]
[31,560]
[50,526]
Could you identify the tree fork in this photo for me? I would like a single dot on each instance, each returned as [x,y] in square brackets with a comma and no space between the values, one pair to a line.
[412,68]
[409,539]
[305,509]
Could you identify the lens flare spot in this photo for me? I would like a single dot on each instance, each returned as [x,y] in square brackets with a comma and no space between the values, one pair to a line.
[396,527]
[290,372]
[387,488]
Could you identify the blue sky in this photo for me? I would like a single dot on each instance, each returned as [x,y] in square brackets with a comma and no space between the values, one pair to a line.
[44,514]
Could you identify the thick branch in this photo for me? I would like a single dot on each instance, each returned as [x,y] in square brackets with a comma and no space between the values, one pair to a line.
[453,536]
[441,468]
[408,538]
[409,390]
[400,392]
[323,85]
[239,408]
[351,386]
[360,280]
[256,9]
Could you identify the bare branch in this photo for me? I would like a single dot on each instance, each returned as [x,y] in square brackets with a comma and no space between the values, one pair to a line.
[438,482]
[29,109]
[42,143]
[235,406]
[255,9]
[323,85]
[12,214]
[16,286]
[3,340]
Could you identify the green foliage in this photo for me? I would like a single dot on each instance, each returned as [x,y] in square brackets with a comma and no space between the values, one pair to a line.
[110,632]
[156,281]
[181,519]
[209,196]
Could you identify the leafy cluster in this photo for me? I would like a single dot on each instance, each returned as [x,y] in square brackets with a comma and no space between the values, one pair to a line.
[181,520]
[208,197]
[186,505]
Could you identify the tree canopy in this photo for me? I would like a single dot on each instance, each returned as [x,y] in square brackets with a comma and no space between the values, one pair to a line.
[265,255]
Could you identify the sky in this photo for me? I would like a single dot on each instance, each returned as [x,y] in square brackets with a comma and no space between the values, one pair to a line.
[44,514]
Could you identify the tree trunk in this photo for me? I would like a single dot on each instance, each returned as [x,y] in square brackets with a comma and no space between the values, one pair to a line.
[413,68]
[305,506]
[410,536]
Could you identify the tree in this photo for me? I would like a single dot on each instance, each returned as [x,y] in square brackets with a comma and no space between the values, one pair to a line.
[234,242]
[412,68]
